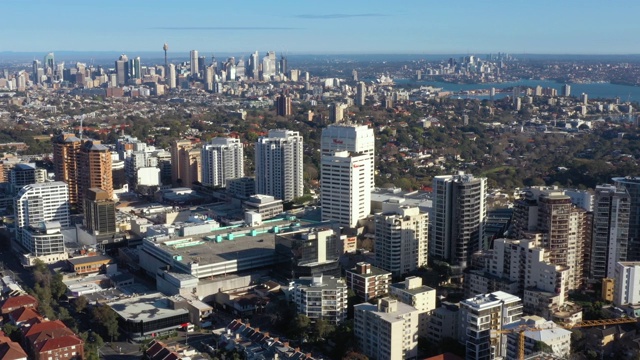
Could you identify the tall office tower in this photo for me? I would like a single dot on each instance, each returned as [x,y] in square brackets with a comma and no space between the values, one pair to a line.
[483,313]
[269,65]
[345,187]
[34,72]
[356,139]
[122,69]
[283,65]
[240,69]
[401,241]
[457,218]
[254,65]
[136,68]
[202,64]
[584,99]
[610,230]
[165,48]
[49,64]
[194,63]
[632,184]
[336,113]
[566,90]
[222,160]
[99,212]
[361,94]
[423,298]
[283,105]
[354,75]
[39,203]
[278,160]
[94,169]
[387,330]
[66,148]
[60,71]
[185,164]
[172,76]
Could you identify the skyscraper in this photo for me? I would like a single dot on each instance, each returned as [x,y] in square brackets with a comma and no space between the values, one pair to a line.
[222,160]
[136,69]
[269,65]
[356,139]
[283,65]
[99,212]
[361,94]
[49,64]
[566,90]
[632,184]
[457,218]
[278,160]
[254,65]
[401,240]
[283,105]
[194,63]
[39,203]
[165,48]
[172,76]
[66,148]
[94,169]
[34,73]
[185,164]
[122,69]
[610,230]
[336,113]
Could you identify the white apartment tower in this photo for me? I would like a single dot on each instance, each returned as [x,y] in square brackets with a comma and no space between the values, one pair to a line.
[278,160]
[483,313]
[458,216]
[345,189]
[346,173]
[222,160]
[388,330]
[610,235]
[423,298]
[38,203]
[320,297]
[627,283]
[401,240]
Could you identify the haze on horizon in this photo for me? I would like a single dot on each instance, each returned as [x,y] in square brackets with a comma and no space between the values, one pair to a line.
[324,27]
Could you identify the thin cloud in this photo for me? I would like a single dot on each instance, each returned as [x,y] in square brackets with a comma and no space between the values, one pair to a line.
[338,16]
[226,28]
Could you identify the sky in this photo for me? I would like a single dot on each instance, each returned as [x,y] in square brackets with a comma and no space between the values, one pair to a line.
[323,26]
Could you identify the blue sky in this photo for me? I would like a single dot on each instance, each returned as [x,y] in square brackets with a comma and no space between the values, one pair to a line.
[324,26]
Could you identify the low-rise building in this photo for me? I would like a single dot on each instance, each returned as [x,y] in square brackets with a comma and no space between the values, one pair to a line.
[320,297]
[17,302]
[412,292]
[444,323]
[387,330]
[368,282]
[89,264]
[267,206]
[545,331]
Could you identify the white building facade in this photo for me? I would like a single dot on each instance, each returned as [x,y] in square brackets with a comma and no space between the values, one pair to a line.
[222,160]
[279,160]
[401,240]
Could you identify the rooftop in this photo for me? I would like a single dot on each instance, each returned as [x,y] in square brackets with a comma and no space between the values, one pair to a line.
[89,260]
[145,307]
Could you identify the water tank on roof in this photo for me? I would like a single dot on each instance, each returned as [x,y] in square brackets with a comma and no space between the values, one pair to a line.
[219,238]
[230,237]
[254,232]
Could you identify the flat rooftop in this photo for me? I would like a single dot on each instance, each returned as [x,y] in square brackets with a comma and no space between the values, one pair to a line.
[227,243]
[145,308]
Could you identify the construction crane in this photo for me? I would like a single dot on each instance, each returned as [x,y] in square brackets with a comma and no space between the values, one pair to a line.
[520,330]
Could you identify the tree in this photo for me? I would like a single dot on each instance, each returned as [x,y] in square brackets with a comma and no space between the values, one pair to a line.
[107,319]
[58,288]
[81,303]
[299,326]
[322,328]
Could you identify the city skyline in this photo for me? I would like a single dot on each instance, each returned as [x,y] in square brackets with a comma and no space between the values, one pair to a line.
[331,27]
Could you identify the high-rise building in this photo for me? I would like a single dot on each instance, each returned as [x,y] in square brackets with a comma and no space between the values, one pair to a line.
[94,169]
[423,298]
[254,65]
[610,230]
[66,148]
[269,66]
[283,105]
[557,339]
[457,218]
[49,64]
[320,297]
[172,76]
[194,63]
[37,203]
[278,160]
[483,313]
[566,90]
[387,330]
[346,173]
[584,98]
[222,160]
[308,252]
[345,190]
[627,283]
[185,164]
[401,240]
[562,228]
[165,48]
[336,113]
[283,65]
[122,69]
[368,282]
[361,94]
[99,212]
[23,174]
[34,72]
[136,68]
[632,184]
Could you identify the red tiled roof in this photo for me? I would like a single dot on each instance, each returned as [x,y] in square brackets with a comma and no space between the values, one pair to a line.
[445,356]
[43,326]
[11,351]
[58,343]
[18,301]
[45,335]
[24,314]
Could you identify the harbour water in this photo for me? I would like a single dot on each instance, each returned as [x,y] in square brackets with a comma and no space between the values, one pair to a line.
[593,90]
